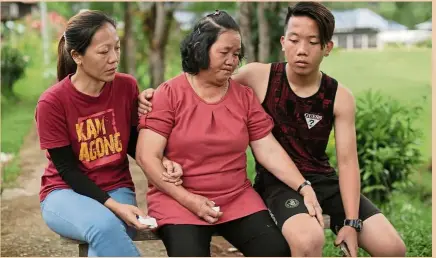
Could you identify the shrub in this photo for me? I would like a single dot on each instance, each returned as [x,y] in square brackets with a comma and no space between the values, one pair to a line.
[13,64]
[425,44]
[387,145]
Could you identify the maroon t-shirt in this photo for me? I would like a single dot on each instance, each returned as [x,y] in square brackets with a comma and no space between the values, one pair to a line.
[302,125]
[97,128]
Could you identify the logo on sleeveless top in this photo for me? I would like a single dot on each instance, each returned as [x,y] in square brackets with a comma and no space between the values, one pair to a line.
[312,119]
[291,203]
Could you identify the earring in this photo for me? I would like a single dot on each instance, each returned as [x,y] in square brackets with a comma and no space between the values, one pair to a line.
[283,49]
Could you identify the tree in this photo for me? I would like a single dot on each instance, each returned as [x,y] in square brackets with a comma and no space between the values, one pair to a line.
[157,23]
[246,10]
[128,53]
[264,39]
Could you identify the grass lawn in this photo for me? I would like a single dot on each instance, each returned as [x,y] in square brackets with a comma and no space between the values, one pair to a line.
[410,217]
[398,73]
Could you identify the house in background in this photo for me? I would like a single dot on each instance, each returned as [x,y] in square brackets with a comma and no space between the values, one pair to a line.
[11,11]
[359,28]
[424,26]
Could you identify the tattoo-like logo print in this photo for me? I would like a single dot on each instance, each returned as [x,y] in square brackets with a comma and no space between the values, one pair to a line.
[291,203]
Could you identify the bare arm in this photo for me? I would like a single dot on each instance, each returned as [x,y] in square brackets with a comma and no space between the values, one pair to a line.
[149,154]
[274,158]
[346,151]
[255,76]
[149,157]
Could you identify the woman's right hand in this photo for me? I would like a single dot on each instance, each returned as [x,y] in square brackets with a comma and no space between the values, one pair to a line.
[202,207]
[173,172]
[128,213]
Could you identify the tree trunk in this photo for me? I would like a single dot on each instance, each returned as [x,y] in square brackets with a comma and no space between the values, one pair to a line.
[158,24]
[128,41]
[264,38]
[245,13]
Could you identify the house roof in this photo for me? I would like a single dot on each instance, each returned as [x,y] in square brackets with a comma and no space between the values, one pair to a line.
[361,18]
[393,25]
[424,25]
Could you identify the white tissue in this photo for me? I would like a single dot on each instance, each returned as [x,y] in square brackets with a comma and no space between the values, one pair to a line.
[150,221]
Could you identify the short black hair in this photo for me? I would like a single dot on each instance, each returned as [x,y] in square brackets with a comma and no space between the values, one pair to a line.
[194,49]
[317,12]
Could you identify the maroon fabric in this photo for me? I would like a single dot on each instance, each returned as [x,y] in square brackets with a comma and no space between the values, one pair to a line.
[302,125]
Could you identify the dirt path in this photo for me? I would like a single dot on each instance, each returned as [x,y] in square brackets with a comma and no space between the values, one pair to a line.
[24,233]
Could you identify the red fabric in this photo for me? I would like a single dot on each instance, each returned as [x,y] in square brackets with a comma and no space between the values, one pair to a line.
[98,129]
[210,142]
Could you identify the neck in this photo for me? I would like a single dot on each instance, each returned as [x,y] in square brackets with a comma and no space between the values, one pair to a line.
[87,85]
[302,80]
[206,88]
[206,81]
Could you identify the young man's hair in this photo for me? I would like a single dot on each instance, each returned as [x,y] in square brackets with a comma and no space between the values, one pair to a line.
[317,12]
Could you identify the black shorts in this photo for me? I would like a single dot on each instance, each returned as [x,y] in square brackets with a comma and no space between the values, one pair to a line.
[253,235]
[283,202]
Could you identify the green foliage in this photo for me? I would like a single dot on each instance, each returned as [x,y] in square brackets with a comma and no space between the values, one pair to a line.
[13,64]
[413,220]
[17,114]
[425,44]
[209,7]
[401,74]
[387,145]
[66,9]
[410,217]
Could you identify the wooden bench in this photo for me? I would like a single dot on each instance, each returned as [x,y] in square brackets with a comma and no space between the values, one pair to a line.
[140,236]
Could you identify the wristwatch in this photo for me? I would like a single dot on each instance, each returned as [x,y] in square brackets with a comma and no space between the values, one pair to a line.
[303,185]
[354,223]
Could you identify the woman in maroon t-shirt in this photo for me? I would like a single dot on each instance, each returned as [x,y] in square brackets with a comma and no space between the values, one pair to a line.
[87,123]
[205,121]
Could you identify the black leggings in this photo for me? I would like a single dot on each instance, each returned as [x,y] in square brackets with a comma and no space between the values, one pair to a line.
[253,235]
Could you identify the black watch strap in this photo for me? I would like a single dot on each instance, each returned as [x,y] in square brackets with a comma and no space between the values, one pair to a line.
[354,223]
[303,185]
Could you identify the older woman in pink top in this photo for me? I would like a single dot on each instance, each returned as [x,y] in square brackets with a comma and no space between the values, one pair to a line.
[205,121]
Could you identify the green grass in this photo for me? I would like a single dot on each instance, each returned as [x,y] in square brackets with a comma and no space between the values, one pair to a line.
[410,217]
[402,74]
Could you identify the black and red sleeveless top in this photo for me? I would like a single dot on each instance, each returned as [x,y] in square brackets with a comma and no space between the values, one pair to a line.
[302,125]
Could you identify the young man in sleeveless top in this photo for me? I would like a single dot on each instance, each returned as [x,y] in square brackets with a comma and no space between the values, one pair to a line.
[305,104]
